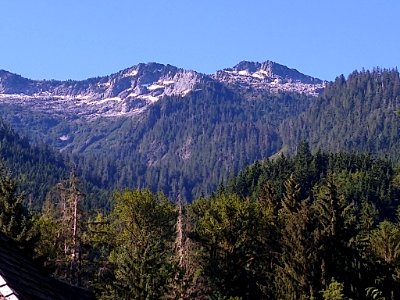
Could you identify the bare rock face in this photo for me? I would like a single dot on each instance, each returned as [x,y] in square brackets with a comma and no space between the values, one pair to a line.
[269,76]
[131,91]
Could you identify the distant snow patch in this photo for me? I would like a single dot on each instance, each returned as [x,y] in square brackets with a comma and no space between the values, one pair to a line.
[256,75]
[185,92]
[64,138]
[243,72]
[117,99]
[132,73]
[155,87]
[149,97]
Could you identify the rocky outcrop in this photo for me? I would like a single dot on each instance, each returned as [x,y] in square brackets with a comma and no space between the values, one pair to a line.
[132,90]
[126,92]
[269,77]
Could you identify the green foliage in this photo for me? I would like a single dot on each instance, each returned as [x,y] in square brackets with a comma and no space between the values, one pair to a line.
[14,218]
[142,226]
[348,195]
[47,226]
[385,242]
[297,272]
[374,293]
[334,291]
[37,168]
[234,236]
[354,114]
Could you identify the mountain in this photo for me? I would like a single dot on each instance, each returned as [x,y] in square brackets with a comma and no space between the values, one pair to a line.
[269,76]
[124,93]
[183,132]
[131,91]
[160,126]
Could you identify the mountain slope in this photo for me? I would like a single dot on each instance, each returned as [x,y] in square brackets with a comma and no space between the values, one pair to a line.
[160,126]
[357,114]
[36,168]
[188,145]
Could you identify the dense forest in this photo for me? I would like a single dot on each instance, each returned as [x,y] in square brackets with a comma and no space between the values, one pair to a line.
[357,113]
[189,146]
[37,168]
[311,226]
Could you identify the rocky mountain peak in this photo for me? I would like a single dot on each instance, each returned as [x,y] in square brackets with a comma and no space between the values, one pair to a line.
[157,80]
[269,77]
[132,90]
[3,73]
[128,91]
[272,70]
[13,83]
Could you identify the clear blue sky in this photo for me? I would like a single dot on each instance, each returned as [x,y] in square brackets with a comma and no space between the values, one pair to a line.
[59,39]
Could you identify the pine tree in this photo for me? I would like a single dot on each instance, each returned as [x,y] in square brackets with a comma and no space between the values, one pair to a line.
[142,238]
[235,239]
[188,282]
[14,219]
[268,199]
[72,226]
[336,227]
[298,269]
[385,242]
[61,226]
[292,197]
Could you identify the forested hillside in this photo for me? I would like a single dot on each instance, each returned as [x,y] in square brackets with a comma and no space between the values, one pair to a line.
[188,145]
[354,114]
[37,168]
[313,226]
[185,145]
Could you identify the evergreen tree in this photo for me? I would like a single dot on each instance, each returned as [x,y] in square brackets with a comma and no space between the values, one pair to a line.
[142,230]
[14,218]
[292,199]
[336,227]
[61,226]
[297,275]
[235,241]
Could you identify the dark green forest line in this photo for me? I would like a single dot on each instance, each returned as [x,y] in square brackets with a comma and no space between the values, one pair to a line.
[354,114]
[310,226]
[37,168]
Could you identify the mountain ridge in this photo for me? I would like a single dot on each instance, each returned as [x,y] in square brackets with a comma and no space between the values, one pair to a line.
[132,90]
